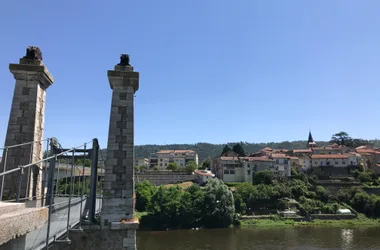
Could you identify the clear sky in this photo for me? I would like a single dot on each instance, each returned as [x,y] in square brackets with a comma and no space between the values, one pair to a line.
[210,71]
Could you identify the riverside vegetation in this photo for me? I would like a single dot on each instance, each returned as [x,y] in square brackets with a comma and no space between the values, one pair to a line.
[219,205]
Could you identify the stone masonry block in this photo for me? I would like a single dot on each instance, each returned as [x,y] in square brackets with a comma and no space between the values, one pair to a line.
[118,170]
[119,154]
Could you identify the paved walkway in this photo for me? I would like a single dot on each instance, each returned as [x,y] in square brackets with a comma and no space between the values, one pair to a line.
[37,238]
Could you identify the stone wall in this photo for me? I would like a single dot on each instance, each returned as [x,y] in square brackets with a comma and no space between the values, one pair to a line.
[332,216]
[26,124]
[97,238]
[164,177]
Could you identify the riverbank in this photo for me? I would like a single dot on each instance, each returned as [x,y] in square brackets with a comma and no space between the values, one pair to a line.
[281,222]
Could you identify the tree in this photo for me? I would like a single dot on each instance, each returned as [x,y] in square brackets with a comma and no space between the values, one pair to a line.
[87,162]
[219,207]
[172,166]
[144,191]
[225,150]
[263,177]
[341,138]
[191,166]
[206,165]
[238,148]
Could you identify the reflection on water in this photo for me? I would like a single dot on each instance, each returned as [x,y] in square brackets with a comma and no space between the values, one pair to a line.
[306,238]
[347,237]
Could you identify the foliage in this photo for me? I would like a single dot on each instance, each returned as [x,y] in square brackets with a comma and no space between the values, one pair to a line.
[172,166]
[226,149]
[79,162]
[155,168]
[342,138]
[144,191]
[174,207]
[219,206]
[191,166]
[205,165]
[238,149]
[263,177]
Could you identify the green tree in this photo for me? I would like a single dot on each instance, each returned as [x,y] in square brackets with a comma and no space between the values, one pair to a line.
[263,177]
[219,206]
[341,138]
[144,192]
[79,162]
[206,164]
[238,148]
[191,166]
[172,166]
[226,149]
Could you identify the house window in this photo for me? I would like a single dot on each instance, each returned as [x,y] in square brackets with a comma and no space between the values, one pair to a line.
[161,164]
[316,163]
[285,161]
[226,171]
[232,171]
[160,159]
[344,163]
[166,164]
[336,163]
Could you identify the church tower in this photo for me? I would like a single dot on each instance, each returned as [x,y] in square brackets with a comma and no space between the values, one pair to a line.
[310,142]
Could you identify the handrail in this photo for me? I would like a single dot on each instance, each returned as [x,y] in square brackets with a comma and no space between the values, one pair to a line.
[37,162]
[23,144]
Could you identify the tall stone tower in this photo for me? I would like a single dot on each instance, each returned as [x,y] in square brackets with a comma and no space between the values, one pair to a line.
[118,190]
[26,123]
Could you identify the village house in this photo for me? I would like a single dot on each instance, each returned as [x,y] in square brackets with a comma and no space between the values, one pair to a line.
[141,162]
[180,157]
[202,176]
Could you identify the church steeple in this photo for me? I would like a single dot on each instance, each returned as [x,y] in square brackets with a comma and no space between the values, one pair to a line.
[310,142]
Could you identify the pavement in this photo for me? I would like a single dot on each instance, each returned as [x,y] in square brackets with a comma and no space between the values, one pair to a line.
[37,238]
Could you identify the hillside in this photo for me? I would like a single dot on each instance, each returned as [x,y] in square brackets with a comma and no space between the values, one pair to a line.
[208,150]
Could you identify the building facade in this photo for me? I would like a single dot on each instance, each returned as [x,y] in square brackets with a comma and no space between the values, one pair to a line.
[180,157]
[142,162]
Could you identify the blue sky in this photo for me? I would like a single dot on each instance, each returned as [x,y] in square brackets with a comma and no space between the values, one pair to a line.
[210,71]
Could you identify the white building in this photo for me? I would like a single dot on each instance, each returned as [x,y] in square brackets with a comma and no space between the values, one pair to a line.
[180,157]
[141,162]
[330,160]
[282,163]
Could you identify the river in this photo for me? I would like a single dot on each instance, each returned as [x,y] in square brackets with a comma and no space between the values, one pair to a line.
[305,238]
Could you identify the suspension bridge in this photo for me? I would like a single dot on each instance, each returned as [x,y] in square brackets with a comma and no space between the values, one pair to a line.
[71,194]
[56,197]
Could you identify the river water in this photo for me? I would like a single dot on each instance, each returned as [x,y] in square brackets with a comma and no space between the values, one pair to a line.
[305,238]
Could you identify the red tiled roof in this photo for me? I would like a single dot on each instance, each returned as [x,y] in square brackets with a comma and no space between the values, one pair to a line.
[229,158]
[168,151]
[267,149]
[377,165]
[328,148]
[200,172]
[263,158]
[302,150]
[278,156]
[368,151]
[329,156]
[293,158]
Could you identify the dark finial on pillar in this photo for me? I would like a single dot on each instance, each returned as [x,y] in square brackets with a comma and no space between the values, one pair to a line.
[33,52]
[124,60]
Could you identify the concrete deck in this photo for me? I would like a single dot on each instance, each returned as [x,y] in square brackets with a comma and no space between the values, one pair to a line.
[16,220]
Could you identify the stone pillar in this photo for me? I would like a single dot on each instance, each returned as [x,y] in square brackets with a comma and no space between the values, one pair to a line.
[118,190]
[26,122]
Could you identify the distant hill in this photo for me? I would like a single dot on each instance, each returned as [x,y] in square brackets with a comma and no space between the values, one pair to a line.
[208,150]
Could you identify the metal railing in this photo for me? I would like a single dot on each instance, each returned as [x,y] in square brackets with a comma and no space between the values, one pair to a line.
[58,195]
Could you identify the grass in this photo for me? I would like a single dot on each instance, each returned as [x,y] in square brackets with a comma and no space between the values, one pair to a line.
[277,221]
[140,214]
[183,185]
